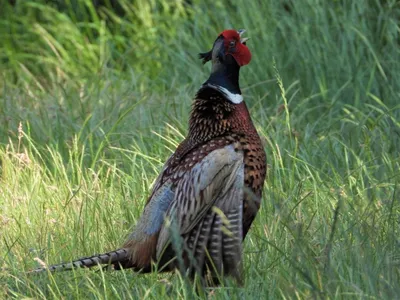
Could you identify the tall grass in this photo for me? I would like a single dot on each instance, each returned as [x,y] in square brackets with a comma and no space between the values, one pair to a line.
[92,102]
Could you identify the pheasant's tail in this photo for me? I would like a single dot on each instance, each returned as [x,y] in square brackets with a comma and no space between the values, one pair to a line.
[116,258]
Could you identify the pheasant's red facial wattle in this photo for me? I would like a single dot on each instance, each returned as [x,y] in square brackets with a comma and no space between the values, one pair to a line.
[235,46]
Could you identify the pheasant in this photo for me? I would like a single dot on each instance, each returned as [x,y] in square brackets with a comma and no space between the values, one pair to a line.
[209,191]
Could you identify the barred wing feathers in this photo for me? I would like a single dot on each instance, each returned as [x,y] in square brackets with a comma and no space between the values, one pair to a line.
[207,211]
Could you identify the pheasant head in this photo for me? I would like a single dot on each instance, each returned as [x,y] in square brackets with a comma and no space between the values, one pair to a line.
[229,43]
[228,54]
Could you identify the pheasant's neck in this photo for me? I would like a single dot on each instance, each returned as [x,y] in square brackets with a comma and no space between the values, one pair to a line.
[225,77]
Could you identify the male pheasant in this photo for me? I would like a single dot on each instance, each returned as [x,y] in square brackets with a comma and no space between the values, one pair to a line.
[208,193]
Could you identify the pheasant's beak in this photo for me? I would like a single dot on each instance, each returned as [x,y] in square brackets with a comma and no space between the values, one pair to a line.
[242,40]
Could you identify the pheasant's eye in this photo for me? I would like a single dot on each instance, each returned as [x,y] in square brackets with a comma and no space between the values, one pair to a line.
[232,44]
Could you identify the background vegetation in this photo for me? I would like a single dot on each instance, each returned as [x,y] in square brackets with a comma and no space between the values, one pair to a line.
[95,96]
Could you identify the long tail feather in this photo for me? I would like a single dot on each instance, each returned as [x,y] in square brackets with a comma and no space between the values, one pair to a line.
[109,258]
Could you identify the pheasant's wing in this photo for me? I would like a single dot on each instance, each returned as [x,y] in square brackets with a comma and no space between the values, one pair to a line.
[207,213]
[142,242]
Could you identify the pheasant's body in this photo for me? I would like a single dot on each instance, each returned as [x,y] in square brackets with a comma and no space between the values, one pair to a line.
[208,192]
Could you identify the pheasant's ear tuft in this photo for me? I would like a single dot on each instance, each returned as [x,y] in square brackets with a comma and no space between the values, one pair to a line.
[206,56]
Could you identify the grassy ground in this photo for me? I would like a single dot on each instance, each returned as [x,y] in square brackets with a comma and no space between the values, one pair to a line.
[92,104]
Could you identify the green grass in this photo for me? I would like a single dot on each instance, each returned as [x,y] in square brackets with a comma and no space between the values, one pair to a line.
[92,104]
